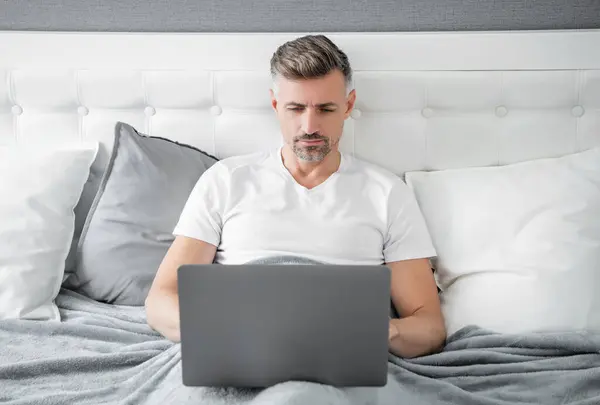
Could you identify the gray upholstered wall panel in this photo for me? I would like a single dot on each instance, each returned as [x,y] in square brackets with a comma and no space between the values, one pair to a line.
[297,15]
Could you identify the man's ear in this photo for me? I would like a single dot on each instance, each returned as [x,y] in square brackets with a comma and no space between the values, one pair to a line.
[350,103]
[273,100]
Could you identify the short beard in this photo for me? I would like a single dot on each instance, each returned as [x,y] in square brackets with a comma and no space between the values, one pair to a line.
[314,153]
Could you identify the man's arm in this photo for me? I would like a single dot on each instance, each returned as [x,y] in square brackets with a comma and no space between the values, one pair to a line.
[162,303]
[420,329]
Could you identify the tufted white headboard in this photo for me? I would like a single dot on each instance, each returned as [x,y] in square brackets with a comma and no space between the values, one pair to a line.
[424,100]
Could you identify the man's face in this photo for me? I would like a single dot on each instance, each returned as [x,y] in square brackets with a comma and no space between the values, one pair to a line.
[311,113]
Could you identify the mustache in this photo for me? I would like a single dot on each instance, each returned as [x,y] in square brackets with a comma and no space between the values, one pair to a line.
[310,137]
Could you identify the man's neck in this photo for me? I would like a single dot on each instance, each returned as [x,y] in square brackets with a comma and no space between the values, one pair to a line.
[310,174]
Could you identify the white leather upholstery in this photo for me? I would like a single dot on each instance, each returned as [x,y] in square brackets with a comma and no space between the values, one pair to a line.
[404,120]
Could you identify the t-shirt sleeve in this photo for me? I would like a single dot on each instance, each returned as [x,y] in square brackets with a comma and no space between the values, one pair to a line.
[407,233]
[202,215]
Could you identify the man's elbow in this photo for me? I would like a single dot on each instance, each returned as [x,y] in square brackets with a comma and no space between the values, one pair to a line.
[435,338]
[439,335]
[156,317]
[149,307]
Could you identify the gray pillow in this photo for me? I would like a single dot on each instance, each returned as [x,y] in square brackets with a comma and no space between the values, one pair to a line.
[90,189]
[129,227]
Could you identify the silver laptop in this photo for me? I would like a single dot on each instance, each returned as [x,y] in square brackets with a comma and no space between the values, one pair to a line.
[259,325]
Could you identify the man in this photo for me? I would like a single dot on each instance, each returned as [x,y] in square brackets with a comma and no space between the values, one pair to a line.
[308,200]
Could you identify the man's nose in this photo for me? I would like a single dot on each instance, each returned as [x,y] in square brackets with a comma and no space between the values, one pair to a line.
[310,122]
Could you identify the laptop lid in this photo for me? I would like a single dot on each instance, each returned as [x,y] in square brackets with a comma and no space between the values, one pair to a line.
[259,325]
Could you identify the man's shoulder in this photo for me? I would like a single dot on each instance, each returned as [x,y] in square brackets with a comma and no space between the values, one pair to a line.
[233,163]
[374,172]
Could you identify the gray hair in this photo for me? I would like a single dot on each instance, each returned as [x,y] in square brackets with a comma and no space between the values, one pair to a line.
[309,57]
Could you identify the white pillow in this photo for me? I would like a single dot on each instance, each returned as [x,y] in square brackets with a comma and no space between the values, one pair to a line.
[518,245]
[39,189]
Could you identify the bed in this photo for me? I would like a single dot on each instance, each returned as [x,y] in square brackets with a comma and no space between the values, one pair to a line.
[163,107]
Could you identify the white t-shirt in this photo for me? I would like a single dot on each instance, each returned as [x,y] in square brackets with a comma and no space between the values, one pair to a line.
[251,207]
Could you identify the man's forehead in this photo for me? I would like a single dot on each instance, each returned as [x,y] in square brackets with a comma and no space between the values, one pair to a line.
[314,97]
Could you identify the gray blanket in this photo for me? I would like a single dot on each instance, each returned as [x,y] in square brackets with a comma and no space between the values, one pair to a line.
[103,354]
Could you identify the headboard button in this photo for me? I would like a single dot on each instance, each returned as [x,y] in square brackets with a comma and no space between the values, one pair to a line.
[501,111]
[16,110]
[356,113]
[216,110]
[82,110]
[578,111]
[427,112]
[149,111]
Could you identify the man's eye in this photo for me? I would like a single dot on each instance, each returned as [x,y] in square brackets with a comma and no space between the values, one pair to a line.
[326,110]
[295,109]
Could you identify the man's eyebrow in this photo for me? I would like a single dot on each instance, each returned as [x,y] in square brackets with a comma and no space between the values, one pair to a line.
[322,105]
